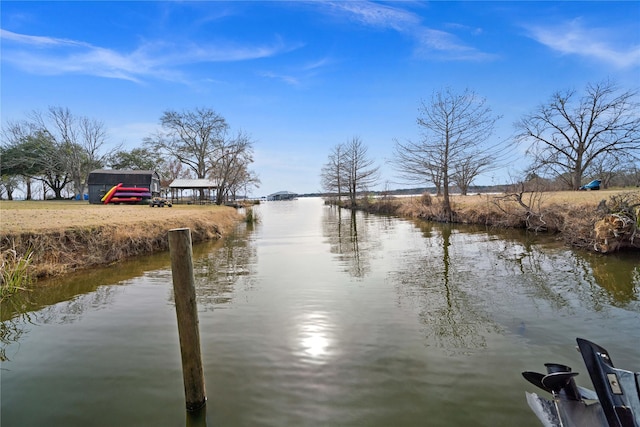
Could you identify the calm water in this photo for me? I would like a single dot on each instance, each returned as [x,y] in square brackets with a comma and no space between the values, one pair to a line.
[316,317]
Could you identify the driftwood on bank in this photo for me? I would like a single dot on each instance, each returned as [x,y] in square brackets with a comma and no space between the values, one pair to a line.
[617,231]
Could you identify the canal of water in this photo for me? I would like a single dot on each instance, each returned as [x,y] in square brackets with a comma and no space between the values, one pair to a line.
[321,317]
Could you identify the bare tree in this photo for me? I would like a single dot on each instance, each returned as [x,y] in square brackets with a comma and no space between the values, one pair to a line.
[199,140]
[359,170]
[571,131]
[231,166]
[81,138]
[454,129]
[605,168]
[332,174]
[418,163]
[467,169]
[192,137]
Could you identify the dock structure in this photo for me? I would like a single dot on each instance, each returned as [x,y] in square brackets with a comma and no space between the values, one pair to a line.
[282,195]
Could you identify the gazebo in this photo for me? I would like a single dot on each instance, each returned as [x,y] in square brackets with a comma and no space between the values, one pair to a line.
[193,191]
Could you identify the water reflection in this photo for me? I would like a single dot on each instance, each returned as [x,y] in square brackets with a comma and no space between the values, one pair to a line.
[54,290]
[434,281]
[617,274]
[64,300]
[314,335]
[65,312]
[348,237]
[219,269]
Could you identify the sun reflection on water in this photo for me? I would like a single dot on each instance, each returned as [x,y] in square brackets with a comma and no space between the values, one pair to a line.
[315,336]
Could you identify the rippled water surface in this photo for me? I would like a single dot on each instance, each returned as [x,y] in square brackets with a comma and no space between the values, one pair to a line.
[316,317]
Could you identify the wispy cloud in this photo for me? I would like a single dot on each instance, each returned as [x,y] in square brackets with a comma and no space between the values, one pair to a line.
[54,56]
[288,79]
[574,38]
[296,77]
[374,14]
[446,46]
[430,43]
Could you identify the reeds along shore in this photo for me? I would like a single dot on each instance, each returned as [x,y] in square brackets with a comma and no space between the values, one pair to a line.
[606,222]
[32,252]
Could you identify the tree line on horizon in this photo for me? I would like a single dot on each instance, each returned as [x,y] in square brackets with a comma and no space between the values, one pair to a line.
[573,135]
[59,149]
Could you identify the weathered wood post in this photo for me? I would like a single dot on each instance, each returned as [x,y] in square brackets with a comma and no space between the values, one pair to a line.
[187,313]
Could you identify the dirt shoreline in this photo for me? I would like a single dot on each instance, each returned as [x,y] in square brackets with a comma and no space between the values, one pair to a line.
[66,236]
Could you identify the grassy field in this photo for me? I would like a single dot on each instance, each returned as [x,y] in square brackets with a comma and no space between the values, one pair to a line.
[574,198]
[42,216]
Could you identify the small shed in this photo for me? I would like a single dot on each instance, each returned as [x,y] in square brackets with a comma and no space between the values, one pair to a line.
[101,180]
[193,191]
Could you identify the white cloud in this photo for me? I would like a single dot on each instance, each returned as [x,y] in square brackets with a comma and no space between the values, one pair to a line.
[431,43]
[574,38]
[49,55]
[435,43]
[377,15]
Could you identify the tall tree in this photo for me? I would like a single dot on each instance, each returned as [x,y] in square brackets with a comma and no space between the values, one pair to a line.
[13,163]
[454,128]
[34,154]
[467,169]
[418,163]
[83,139]
[8,184]
[192,137]
[230,167]
[571,131]
[332,173]
[199,140]
[49,159]
[360,170]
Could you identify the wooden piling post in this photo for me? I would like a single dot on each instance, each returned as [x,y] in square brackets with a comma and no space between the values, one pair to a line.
[187,313]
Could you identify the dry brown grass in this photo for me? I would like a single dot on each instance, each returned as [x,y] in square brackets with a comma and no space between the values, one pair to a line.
[65,236]
[38,216]
[573,214]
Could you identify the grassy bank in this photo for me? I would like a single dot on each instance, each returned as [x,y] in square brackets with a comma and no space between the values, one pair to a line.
[58,237]
[603,220]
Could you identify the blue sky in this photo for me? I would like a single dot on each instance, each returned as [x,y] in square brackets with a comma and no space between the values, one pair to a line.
[301,77]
